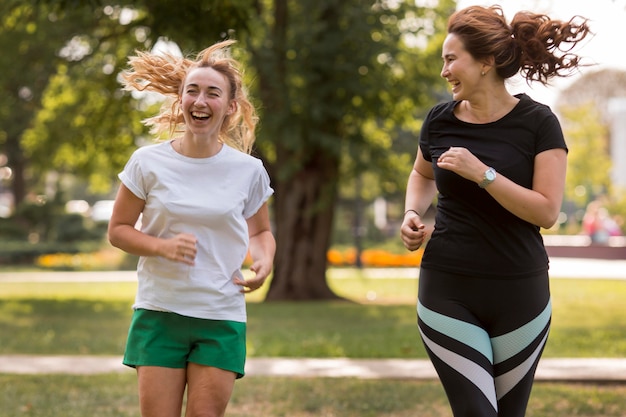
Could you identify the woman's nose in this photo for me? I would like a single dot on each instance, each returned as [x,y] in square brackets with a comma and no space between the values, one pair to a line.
[200,99]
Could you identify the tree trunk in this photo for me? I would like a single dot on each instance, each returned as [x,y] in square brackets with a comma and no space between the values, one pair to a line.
[304,176]
[304,207]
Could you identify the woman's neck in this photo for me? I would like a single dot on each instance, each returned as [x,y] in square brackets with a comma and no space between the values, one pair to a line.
[487,109]
[197,147]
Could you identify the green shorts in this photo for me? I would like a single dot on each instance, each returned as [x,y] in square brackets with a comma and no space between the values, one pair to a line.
[157,338]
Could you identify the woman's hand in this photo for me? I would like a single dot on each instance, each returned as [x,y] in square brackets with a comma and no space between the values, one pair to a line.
[462,162]
[261,271]
[412,231]
[180,248]
[262,249]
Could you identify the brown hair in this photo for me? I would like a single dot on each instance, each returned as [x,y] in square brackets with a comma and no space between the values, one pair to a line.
[534,43]
[165,74]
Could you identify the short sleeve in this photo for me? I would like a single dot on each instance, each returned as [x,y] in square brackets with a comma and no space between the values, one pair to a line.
[260,191]
[132,177]
[424,143]
[434,116]
[550,135]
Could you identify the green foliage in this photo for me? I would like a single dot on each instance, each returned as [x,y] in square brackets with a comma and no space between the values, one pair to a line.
[87,126]
[72,228]
[589,160]
[196,24]
[40,226]
[340,78]
[32,38]
[17,253]
[12,230]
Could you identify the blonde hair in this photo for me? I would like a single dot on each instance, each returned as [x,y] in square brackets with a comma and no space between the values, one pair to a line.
[165,74]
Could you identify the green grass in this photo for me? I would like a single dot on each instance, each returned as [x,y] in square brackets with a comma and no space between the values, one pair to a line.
[92,318]
[112,395]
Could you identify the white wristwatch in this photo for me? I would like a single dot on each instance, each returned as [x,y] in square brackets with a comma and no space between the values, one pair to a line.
[488,177]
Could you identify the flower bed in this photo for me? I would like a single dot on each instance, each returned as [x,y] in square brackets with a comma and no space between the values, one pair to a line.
[111,259]
[375,258]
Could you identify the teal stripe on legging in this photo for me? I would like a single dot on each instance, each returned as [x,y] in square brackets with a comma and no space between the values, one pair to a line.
[510,344]
[470,370]
[507,381]
[464,332]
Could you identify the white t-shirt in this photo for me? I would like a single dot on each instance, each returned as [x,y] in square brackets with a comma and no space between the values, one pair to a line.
[210,198]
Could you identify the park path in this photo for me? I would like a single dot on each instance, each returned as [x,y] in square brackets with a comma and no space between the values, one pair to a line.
[550,369]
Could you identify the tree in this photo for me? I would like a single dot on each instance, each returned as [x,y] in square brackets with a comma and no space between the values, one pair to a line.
[330,78]
[88,126]
[32,35]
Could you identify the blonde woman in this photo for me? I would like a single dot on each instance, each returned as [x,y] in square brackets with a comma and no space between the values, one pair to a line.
[203,202]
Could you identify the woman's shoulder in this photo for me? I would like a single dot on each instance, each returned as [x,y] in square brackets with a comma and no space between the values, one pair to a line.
[148,153]
[442,111]
[526,103]
[152,148]
[444,107]
[240,157]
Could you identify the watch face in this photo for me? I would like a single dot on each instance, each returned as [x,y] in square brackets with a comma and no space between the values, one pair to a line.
[490,175]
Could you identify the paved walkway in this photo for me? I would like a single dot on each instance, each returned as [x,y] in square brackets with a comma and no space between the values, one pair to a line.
[571,370]
[560,369]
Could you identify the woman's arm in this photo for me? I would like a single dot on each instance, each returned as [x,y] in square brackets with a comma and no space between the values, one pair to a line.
[262,249]
[420,192]
[540,205]
[122,233]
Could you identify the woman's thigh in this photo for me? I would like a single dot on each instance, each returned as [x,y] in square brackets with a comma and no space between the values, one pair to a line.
[161,390]
[208,390]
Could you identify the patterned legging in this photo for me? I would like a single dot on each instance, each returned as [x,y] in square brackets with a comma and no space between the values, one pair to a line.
[484,338]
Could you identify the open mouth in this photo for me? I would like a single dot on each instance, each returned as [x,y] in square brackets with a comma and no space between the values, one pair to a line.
[200,115]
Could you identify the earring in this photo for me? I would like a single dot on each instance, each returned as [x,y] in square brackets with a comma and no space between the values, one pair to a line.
[482,73]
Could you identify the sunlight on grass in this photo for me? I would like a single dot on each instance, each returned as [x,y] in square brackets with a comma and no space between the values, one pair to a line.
[104,291]
[111,395]
[81,318]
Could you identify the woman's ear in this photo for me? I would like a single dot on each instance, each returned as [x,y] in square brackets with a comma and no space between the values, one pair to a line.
[488,65]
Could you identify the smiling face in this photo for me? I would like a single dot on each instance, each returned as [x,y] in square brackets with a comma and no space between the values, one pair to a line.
[205,101]
[460,69]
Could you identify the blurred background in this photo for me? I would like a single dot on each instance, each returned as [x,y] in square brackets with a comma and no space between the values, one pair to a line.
[341,87]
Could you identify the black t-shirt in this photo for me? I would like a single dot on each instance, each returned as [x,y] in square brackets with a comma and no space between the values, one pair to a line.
[473,233]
